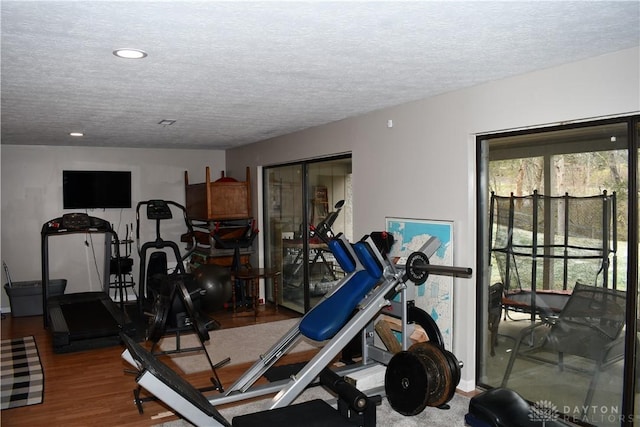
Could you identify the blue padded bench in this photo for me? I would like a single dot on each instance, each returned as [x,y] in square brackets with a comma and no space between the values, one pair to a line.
[331,314]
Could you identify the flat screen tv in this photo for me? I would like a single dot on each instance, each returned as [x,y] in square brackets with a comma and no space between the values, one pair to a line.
[96,189]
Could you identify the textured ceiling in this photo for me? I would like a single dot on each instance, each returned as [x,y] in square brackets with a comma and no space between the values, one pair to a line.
[231,73]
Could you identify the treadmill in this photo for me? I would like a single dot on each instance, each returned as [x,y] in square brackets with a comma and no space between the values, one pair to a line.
[84,320]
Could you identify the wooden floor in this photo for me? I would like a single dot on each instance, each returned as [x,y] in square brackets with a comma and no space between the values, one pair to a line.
[92,388]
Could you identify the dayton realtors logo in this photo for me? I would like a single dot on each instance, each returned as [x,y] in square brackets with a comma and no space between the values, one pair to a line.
[543,411]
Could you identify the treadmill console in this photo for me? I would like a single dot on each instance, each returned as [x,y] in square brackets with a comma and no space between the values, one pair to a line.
[76,221]
[158,209]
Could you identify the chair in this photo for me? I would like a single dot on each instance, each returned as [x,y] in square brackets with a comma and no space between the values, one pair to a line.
[589,326]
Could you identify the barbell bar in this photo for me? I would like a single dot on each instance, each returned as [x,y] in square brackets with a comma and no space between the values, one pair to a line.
[418,268]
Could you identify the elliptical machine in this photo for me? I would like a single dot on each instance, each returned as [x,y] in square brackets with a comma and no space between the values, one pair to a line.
[171,300]
[152,281]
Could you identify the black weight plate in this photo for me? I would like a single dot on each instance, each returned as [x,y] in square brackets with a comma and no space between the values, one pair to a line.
[164,294]
[416,274]
[202,331]
[406,383]
[438,372]
[455,368]
[158,322]
[454,365]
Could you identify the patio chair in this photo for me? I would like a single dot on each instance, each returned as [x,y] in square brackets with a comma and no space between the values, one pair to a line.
[589,326]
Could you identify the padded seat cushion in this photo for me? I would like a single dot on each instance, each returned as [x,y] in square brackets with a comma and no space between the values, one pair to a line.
[331,314]
[326,318]
[342,256]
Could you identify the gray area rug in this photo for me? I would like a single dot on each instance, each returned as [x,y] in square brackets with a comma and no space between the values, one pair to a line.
[243,344]
[386,416]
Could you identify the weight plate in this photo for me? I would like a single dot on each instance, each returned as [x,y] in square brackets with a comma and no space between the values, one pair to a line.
[163,295]
[414,273]
[439,372]
[158,322]
[455,367]
[455,374]
[191,311]
[406,383]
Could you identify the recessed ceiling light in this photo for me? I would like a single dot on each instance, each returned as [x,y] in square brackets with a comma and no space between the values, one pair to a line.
[127,53]
[76,134]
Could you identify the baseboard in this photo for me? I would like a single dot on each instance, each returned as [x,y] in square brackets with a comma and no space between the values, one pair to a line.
[467,386]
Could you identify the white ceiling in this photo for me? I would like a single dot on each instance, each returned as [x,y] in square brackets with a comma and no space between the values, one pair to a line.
[231,73]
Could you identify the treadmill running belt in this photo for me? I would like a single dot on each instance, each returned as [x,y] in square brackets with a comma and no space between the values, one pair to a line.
[89,319]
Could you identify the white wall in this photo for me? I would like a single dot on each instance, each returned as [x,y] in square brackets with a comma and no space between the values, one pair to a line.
[424,166]
[32,195]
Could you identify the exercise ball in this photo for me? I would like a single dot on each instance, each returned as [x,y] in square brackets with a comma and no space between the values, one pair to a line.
[215,281]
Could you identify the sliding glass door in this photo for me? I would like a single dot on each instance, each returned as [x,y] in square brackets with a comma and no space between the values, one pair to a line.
[298,197]
[557,247]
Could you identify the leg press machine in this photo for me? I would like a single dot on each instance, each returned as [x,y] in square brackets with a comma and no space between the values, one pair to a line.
[372,285]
